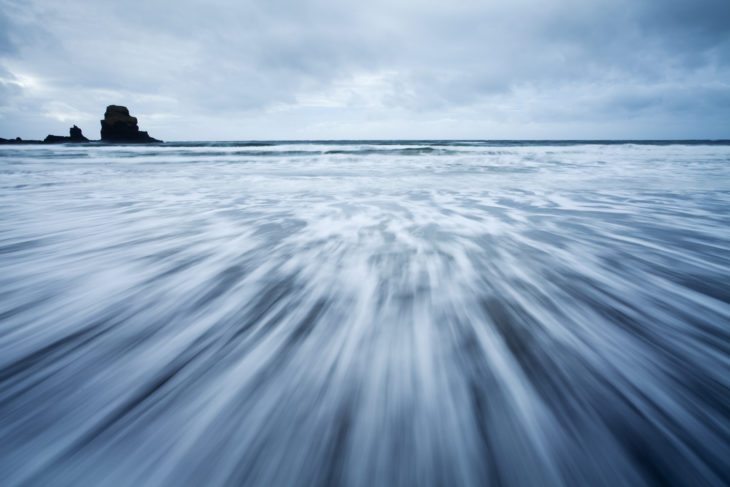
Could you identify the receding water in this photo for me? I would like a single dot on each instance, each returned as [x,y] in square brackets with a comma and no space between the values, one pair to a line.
[365,314]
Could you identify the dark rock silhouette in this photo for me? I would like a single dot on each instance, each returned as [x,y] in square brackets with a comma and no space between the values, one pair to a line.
[75,135]
[120,127]
[55,139]
[18,140]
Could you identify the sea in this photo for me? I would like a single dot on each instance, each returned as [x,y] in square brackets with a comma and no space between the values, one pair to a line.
[365,313]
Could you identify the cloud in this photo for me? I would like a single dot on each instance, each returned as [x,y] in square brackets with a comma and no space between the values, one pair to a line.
[397,68]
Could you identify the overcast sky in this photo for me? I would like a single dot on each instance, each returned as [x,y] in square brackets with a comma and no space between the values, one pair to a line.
[299,69]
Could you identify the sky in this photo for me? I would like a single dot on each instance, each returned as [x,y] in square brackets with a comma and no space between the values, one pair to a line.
[375,69]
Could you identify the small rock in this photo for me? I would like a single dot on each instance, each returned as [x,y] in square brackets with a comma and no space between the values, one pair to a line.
[75,135]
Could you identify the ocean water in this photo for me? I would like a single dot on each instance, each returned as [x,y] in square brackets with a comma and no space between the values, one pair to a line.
[365,314]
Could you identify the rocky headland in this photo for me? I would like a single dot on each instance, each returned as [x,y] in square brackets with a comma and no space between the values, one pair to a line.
[118,127]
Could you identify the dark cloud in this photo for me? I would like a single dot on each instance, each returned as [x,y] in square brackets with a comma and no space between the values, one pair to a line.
[287,68]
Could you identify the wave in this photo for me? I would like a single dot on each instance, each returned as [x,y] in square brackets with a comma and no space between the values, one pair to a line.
[365,315]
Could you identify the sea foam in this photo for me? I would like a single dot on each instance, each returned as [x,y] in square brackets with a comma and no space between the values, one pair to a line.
[395,313]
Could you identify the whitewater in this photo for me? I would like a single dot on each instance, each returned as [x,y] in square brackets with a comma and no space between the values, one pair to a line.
[405,313]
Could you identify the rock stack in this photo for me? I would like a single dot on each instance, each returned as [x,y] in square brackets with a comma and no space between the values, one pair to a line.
[118,127]
[74,135]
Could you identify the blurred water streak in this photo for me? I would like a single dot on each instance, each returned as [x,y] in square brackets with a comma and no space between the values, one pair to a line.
[365,314]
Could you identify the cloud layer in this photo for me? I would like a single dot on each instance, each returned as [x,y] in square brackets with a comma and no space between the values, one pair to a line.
[228,69]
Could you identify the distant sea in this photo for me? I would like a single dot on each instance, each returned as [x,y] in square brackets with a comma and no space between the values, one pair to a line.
[412,313]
